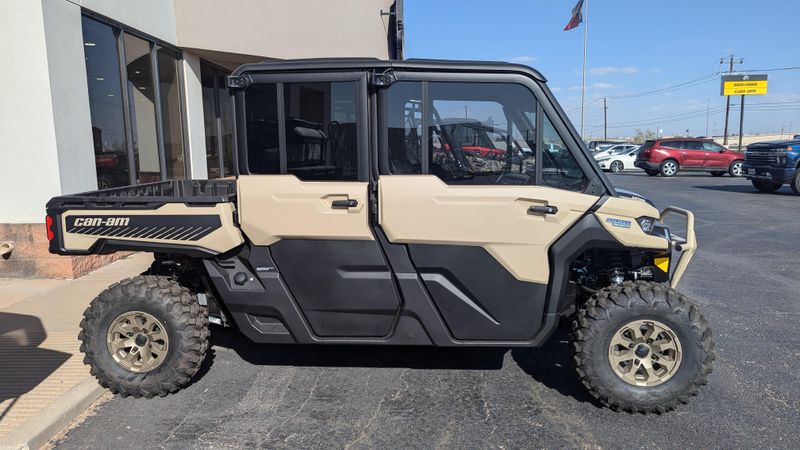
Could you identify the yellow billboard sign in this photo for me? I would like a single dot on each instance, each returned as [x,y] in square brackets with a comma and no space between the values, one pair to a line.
[744,85]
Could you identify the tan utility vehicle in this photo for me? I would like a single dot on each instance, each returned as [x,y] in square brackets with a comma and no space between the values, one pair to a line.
[357,218]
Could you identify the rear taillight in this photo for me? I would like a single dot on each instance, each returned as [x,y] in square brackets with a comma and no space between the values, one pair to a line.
[48,221]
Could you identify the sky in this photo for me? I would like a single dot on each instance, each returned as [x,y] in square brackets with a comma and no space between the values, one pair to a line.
[634,46]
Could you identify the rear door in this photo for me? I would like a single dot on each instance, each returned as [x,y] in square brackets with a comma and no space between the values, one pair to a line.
[304,195]
[694,155]
[478,229]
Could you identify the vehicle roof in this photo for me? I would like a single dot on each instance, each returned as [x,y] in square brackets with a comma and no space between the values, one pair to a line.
[682,139]
[338,64]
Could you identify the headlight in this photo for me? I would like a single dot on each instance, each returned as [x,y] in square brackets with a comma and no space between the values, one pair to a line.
[781,156]
[646,223]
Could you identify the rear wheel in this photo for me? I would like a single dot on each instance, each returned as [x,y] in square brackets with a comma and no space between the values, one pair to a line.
[766,186]
[718,174]
[652,173]
[144,336]
[616,166]
[669,168]
[736,169]
[642,347]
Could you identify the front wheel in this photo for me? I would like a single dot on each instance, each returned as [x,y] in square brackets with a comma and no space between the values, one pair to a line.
[616,166]
[736,169]
[642,347]
[795,183]
[144,336]
[669,168]
[766,186]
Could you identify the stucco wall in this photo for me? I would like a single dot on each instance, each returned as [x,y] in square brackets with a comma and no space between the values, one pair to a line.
[285,28]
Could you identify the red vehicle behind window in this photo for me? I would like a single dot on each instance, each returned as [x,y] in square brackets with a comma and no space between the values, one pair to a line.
[669,156]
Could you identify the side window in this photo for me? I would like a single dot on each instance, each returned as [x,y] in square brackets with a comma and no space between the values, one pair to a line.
[404,117]
[559,167]
[711,147]
[261,103]
[672,144]
[693,145]
[321,131]
[482,133]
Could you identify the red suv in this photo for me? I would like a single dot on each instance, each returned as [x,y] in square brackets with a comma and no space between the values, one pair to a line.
[668,156]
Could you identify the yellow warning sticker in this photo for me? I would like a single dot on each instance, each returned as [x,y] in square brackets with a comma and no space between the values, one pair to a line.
[662,263]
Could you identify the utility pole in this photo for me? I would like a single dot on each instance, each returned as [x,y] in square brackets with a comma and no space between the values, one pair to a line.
[741,123]
[708,108]
[605,119]
[728,97]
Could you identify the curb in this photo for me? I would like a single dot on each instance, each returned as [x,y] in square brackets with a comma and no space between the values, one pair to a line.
[55,417]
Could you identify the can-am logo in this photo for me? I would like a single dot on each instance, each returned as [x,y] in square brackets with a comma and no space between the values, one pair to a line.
[101,222]
[619,222]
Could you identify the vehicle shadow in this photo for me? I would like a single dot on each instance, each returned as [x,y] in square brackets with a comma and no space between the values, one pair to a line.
[550,365]
[744,189]
[22,359]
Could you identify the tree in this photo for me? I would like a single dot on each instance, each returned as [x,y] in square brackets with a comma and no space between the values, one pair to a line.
[640,136]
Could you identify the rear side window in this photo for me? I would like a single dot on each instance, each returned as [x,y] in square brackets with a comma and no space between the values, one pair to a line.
[263,155]
[673,144]
[321,135]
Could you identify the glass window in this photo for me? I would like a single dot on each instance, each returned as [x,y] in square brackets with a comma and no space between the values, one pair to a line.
[226,125]
[141,98]
[674,144]
[711,147]
[210,120]
[482,133]
[261,104]
[693,145]
[560,169]
[321,130]
[404,120]
[171,118]
[105,104]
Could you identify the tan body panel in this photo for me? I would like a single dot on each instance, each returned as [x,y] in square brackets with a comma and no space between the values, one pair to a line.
[275,207]
[629,209]
[220,240]
[423,209]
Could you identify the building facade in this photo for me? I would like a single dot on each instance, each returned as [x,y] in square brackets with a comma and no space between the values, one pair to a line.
[106,93]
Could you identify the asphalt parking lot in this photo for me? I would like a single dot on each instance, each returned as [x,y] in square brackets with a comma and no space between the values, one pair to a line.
[744,277]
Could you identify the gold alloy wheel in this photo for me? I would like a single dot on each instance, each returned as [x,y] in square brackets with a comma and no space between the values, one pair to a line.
[137,341]
[645,353]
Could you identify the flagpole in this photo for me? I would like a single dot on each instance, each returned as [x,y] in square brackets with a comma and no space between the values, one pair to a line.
[583,82]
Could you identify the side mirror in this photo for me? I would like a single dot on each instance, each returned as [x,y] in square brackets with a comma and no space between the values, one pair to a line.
[722,150]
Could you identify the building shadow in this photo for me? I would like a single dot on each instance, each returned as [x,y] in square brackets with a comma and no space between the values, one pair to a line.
[550,365]
[744,189]
[23,364]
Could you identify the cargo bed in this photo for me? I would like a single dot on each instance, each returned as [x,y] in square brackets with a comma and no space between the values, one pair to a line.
[192,217]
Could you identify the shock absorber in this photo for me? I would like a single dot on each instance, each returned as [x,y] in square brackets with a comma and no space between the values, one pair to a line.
[616,270]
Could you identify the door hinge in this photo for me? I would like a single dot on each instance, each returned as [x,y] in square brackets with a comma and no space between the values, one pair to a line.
[235,83]
[383,79]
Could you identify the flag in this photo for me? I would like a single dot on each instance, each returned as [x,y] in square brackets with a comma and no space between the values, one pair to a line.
[577,16]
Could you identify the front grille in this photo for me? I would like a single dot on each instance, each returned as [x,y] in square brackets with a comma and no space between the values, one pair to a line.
[760,158]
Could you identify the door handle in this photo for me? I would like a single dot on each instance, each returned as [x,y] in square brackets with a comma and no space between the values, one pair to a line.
[542,209]
[343,204]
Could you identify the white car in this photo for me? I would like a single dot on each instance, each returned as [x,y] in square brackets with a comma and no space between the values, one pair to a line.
[616,148]
[620,161]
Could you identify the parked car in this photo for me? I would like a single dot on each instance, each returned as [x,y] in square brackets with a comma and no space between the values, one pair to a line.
[594,146]
[670,155]
[338,242]
[770,165]
[622,159]
[616,148]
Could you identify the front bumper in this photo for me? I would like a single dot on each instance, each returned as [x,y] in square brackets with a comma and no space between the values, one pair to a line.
[768,173]
[686,246]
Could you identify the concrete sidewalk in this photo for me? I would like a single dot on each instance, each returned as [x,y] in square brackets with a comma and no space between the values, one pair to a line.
[43,381]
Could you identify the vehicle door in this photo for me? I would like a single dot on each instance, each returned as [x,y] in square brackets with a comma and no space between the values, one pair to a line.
[303,193]
[692,153]
[714,157]
[478,229]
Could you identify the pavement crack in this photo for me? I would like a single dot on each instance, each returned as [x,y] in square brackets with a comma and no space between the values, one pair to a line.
[311,393]
[377,411]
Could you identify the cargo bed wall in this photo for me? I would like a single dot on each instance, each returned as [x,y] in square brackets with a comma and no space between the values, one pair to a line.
[173,227]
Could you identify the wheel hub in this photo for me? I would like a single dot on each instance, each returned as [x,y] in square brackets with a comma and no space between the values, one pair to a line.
[645,353]
[137,341]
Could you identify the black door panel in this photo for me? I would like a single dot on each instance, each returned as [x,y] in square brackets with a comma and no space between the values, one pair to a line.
[478,298]
[344,288]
